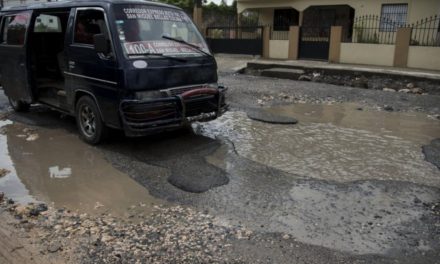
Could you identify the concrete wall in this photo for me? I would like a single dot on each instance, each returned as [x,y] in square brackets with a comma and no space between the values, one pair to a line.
[278,49]
[373,54]
[21,2]
[424,57]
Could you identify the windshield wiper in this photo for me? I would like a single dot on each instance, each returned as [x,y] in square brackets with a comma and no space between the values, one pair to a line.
[160,55]
[188,44]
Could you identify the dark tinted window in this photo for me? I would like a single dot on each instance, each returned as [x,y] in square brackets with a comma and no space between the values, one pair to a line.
[89,23]
[14,28]
[284,18]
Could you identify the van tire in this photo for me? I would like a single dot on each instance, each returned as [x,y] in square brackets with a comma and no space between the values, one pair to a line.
[18,105]
[91,127]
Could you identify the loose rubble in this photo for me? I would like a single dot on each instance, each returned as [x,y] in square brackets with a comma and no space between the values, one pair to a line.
[375,82]
[170,235]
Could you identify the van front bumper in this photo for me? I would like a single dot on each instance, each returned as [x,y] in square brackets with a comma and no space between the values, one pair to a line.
[143,117]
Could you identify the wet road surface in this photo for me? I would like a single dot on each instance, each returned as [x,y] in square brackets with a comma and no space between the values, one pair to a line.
[349,180]
[59,168]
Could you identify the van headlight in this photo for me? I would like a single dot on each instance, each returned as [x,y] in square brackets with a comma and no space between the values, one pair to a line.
[148,95]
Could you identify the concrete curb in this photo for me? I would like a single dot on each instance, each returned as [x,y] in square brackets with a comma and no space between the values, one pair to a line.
[348,70]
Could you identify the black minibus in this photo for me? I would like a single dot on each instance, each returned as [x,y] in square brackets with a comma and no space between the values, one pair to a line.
[139,66]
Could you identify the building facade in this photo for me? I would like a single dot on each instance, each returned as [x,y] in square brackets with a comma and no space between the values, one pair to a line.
[5,3]
[377,32]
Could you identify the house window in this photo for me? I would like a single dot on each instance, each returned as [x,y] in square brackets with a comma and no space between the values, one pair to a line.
[284,18]
[393,16]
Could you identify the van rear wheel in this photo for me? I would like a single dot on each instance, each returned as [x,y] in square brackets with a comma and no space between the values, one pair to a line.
[18,105]
[89,121]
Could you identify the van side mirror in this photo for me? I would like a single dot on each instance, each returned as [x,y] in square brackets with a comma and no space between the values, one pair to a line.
[101,44]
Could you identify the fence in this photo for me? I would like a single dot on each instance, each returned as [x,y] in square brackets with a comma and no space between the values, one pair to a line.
[220,19]
[234,32]
[426,32]
[374,30]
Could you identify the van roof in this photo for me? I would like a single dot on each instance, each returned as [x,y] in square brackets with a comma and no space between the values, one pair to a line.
[77,3]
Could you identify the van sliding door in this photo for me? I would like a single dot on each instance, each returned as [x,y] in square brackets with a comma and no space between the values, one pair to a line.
[14,66]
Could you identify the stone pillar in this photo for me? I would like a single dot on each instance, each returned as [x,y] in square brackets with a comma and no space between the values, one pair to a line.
[301,18]
[293,42]
[198,16]
[401,48]
[266,41]
[335,44]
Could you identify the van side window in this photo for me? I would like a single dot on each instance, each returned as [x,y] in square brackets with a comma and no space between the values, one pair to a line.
[14,29]
[48,23]
[87,24]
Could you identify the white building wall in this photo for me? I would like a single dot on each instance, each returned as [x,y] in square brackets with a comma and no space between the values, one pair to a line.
[7,3]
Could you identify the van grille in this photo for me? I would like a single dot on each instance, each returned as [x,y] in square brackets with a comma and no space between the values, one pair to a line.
[179,90]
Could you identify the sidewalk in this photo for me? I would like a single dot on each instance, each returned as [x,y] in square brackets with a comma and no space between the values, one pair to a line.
[235,63]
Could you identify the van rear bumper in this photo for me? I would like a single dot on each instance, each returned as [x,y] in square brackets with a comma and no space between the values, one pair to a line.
[147,117]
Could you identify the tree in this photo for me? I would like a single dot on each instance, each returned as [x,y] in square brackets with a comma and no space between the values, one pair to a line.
[186,5]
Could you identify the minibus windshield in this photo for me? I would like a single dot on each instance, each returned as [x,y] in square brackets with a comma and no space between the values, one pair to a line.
[147,30]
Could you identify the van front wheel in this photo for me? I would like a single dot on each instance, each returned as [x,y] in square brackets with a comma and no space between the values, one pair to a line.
[18,105]
[89,121]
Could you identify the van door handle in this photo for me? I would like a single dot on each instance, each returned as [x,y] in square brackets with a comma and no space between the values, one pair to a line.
[71,64]
[22,64]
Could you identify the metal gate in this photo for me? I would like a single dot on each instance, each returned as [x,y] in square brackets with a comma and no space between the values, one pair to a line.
[314,43]
[235,40]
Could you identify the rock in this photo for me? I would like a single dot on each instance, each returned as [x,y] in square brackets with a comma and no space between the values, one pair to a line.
[267,117]
[388,90]
[37,210]
[2,196]
[317,77]
[305,78]
[434,117]
[106,238]
[283,96]
[410,85]
[416,91]
[360,82]
[21,210]
[388,108]
[404,91]
[286,236]
[54,247]
[417,200]
[98,205]
[32,137]
[360,109]
[3,172]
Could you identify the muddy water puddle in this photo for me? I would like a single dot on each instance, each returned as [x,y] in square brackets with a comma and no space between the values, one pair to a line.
[335,142]
[348,181]
[56,167]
